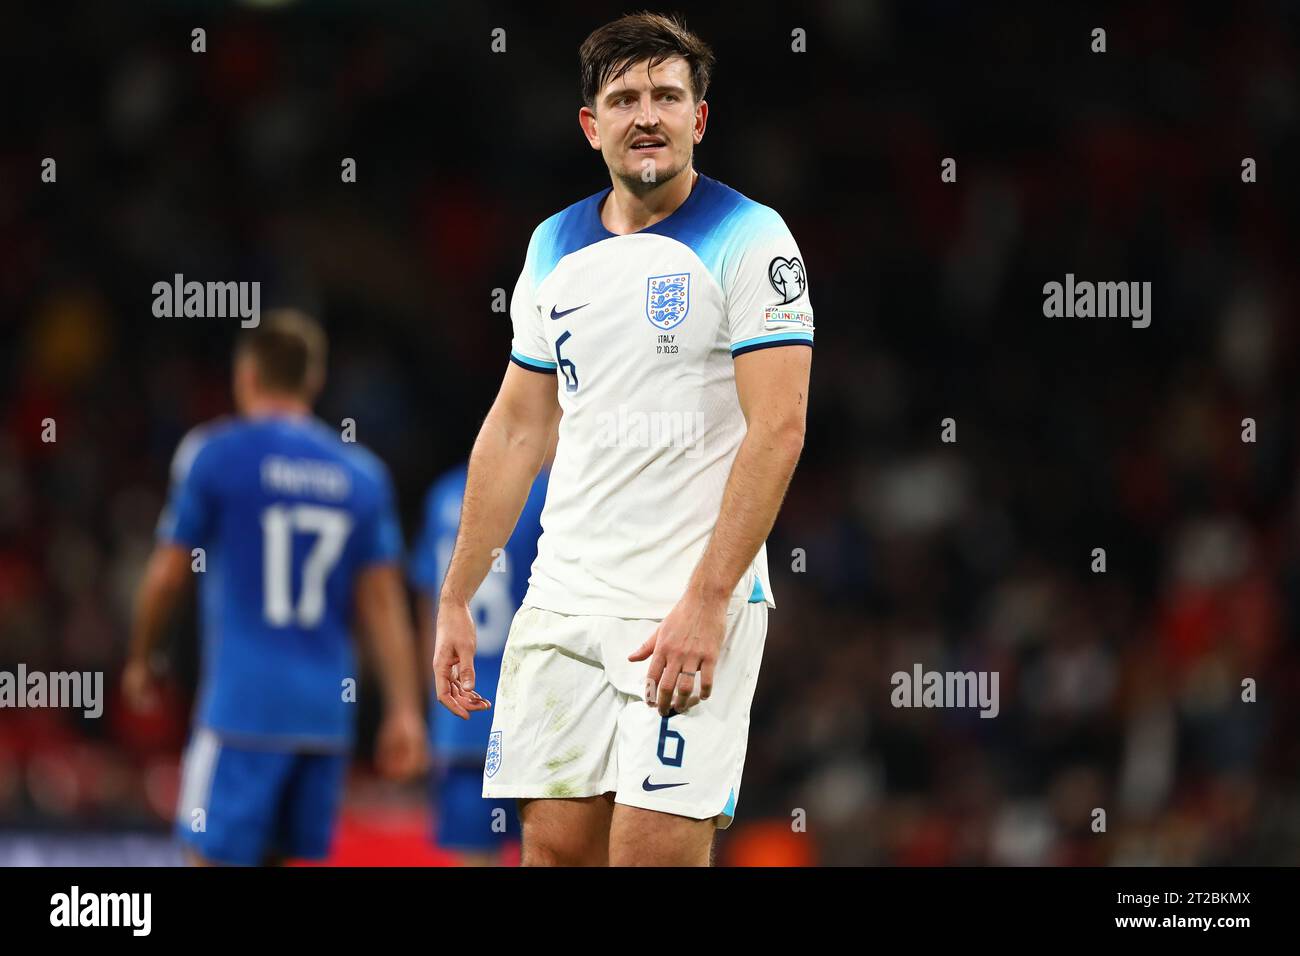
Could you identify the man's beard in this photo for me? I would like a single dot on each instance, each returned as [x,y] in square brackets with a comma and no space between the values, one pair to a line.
[639,187]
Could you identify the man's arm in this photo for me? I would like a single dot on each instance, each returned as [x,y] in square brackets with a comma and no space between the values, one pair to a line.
[384,618]
[772,385]
[507,456]
[773,389]
[166,577]
[508,453]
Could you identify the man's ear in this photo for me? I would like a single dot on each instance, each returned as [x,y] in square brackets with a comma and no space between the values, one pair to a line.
[701,119]
[587,120]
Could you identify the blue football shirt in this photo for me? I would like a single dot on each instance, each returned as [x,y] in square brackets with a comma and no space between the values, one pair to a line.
[287,515]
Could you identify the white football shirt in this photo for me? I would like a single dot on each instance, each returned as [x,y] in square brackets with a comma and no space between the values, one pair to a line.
[641,331]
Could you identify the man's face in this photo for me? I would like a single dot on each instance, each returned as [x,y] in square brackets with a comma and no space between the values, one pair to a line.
[646,123]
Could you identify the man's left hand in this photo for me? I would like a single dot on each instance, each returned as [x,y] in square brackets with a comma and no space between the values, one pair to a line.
[684,646]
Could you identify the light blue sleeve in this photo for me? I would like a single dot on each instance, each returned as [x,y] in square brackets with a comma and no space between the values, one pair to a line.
[766,285]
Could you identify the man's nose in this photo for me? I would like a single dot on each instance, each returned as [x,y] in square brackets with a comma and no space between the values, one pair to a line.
[649,115]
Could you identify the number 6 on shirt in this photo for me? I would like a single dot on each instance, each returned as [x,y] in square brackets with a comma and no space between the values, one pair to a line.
[570,371]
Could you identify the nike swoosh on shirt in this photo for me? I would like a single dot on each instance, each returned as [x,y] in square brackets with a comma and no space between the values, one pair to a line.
[647,785]
[560,315]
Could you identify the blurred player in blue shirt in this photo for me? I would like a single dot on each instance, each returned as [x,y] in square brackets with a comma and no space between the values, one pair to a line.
[295,537]
[473,827]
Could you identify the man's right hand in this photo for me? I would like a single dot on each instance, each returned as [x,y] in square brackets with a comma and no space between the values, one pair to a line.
[453,659]
[403,749]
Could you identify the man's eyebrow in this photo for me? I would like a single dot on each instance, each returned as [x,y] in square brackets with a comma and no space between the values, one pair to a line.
[658,88]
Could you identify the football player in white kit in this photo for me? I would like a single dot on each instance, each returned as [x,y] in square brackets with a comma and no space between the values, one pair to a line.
[665,322]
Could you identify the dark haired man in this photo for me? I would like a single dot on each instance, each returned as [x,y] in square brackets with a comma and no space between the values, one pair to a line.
[664,321]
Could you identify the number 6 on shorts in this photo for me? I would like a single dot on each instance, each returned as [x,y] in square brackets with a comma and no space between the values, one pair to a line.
[664,734]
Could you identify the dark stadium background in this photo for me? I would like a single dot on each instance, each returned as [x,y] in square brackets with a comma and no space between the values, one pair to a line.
[1118,690]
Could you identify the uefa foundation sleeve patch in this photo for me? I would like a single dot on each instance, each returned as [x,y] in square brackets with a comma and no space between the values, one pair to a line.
[778,319]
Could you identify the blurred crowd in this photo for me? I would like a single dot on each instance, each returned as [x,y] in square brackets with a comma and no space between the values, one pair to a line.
[1120,689]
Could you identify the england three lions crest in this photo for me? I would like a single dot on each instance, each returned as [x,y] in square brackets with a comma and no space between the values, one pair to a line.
[493,762]
[668,299]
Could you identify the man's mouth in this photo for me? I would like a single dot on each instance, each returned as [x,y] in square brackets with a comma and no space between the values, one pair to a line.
[646,143]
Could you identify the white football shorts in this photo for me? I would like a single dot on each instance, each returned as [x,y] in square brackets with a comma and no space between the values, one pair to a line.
[570,718]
